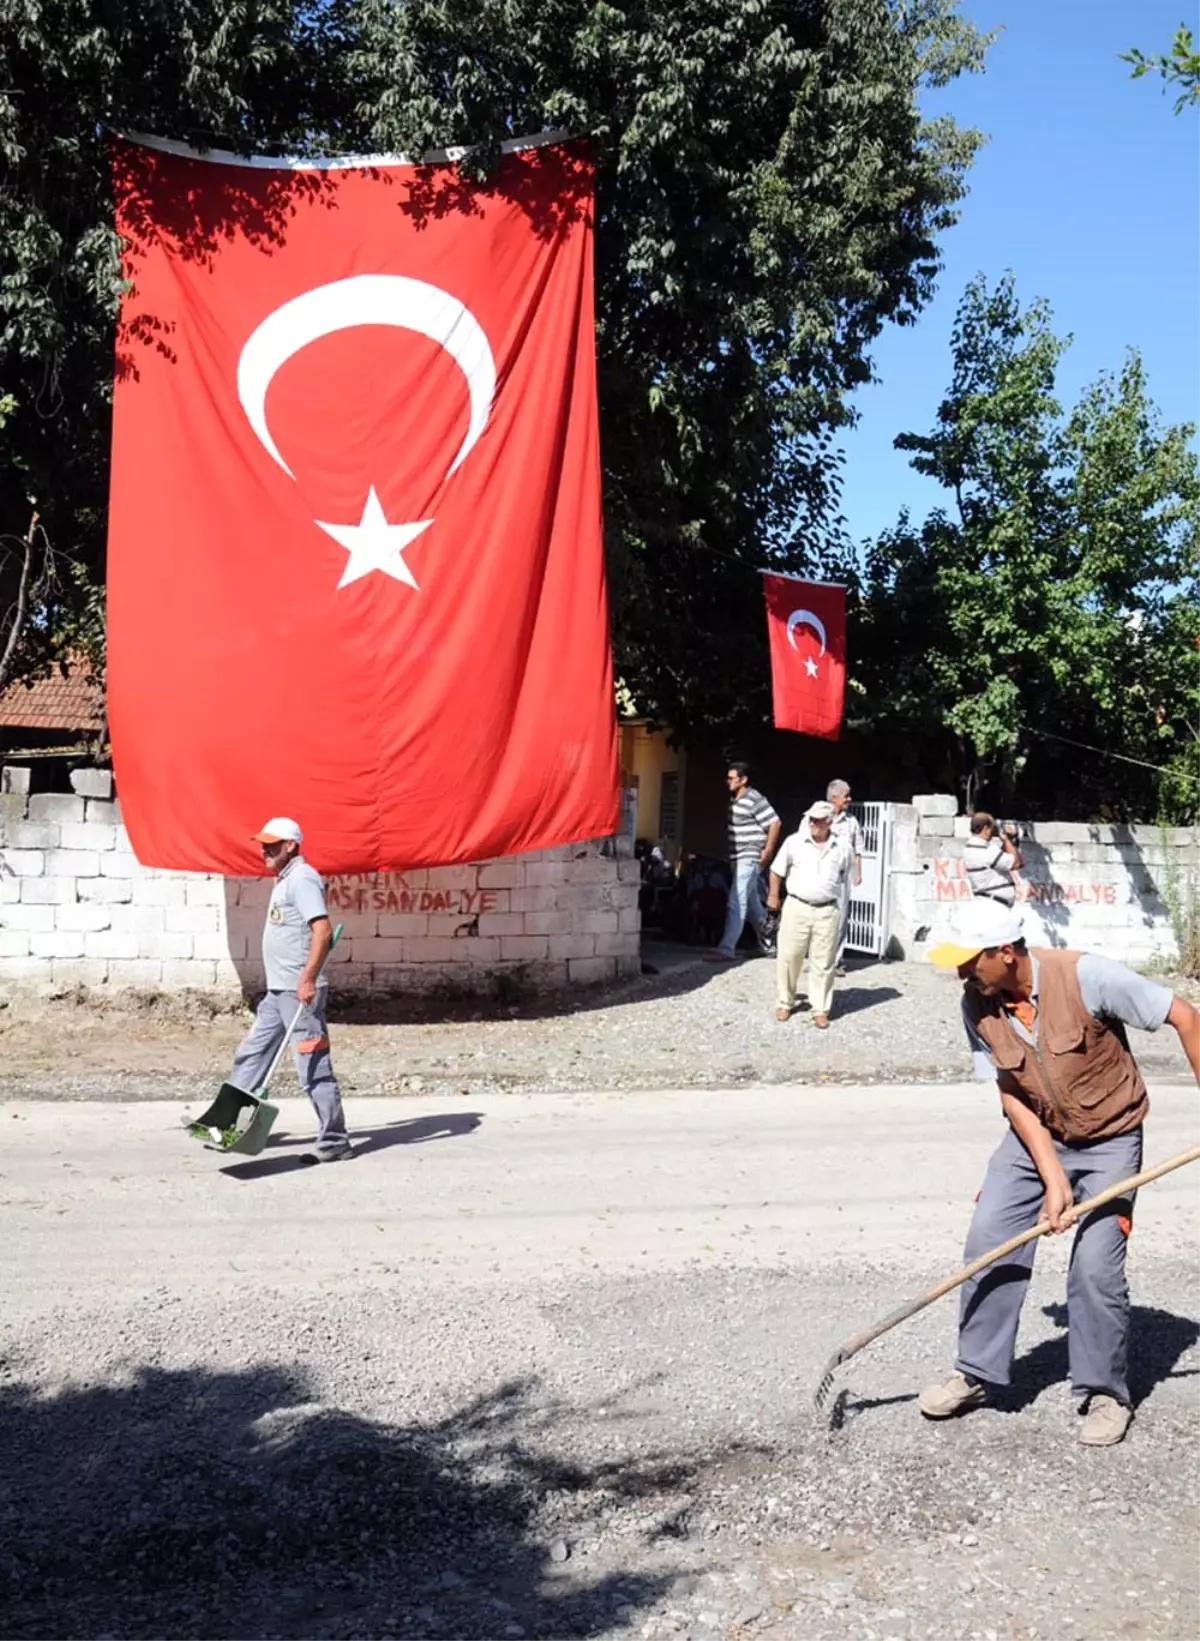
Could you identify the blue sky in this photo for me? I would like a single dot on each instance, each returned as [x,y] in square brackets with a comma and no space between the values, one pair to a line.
[1089,190]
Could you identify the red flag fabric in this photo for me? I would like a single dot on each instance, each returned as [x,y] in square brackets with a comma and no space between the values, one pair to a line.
[355,558]
[806,625]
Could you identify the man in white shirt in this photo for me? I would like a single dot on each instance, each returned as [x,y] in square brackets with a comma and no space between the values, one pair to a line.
[990,858]
[806,882]
[848,833]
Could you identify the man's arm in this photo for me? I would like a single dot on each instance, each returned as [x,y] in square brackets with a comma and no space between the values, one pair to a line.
[1039,1142]
[320,939]
[1008,839]
[772,843]
[1186,1021]
[774,892]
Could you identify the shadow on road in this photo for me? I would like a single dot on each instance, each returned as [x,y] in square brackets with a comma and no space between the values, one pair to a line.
[191,1503]
[405,1131]
[1157,1341]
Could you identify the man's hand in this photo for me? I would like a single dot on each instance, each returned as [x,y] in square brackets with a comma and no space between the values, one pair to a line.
[306,990]
[1059,1197]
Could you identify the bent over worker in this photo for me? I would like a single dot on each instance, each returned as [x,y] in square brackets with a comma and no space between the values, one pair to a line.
[296,940]
[1049,1028]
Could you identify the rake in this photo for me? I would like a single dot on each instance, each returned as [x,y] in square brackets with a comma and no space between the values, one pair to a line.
[859,1342]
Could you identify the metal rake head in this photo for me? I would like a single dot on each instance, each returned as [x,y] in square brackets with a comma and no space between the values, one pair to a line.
[826,1384]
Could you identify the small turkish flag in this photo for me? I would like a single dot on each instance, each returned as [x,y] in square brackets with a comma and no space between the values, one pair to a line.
[356,568]
[806,624]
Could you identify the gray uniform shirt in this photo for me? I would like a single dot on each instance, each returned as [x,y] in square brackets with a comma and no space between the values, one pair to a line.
[1109,991]
[297,897]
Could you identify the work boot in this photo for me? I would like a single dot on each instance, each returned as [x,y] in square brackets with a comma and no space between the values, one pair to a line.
[953,1395]
[1105,1422]
[334,1153]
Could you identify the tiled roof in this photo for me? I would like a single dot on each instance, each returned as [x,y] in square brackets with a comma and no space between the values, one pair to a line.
[75,702]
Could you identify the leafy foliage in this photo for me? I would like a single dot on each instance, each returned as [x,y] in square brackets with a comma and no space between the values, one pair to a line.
[769,196]
[1053,602]
[1180,68]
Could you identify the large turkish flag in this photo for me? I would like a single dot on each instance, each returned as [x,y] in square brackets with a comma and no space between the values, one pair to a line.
[806,625]
[355,561]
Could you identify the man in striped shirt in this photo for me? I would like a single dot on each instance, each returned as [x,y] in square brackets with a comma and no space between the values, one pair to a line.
[754,832]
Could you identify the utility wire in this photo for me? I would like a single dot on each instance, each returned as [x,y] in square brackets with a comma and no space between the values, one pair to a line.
[1105,752]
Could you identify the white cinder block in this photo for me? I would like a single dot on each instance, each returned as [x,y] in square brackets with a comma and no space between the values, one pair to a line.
[144,974]
[73,863]
[524,948]
[57,943]
[52,806]
[630,871]
[89,973]
[110,944]
[123,863]
[17,971]
[92,783]
[212,946]
[168,946]
[616,945]
[391,926]
[434,950]
[110,889]
[539,899]
[85,916]
[49,891]
[552,872]
[14,942]
[191,975]
[591,971]
[10,887]
[571,946]
[597,922]
[88,835]
[502,874]
[501,923]
[25,862]
[205,891]
[558,922]
[592,869]
[161,891]
[453,877]
[193,919]
[629,920]
[27,916]
[32,835]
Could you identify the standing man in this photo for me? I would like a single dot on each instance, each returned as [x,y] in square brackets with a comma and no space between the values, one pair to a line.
[1049,1027]
[848,833]
[296,939]
[991,857]
[807,877]
[754,830]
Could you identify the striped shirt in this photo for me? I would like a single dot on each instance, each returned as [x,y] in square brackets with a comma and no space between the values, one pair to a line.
[750,817]
[989,869]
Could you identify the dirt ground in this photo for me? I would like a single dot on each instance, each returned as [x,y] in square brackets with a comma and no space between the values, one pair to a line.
[684,1023]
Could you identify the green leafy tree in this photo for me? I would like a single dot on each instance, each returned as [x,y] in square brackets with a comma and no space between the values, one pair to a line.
[1181,68]
[1049,608]
[769,195]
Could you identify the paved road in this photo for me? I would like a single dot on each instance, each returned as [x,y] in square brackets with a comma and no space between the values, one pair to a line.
[387,1397]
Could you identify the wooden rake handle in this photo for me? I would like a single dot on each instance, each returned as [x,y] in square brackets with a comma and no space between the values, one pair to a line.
[1110,1194]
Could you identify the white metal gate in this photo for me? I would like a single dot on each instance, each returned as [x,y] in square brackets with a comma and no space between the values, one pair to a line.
[866,929]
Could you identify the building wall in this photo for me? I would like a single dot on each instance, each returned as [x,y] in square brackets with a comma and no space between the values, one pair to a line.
[1090,887]
[646,758]
[77,910]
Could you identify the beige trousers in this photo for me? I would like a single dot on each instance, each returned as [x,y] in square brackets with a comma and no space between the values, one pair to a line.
[807,931]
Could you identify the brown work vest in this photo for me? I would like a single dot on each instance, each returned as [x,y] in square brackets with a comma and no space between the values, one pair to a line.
[1081,1080]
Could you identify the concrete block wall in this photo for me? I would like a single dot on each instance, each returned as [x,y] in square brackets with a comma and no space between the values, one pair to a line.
[1090,887]
[77,910]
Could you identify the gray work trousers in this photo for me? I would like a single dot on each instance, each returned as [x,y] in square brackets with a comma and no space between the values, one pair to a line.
[310,1050]
[1097,1292]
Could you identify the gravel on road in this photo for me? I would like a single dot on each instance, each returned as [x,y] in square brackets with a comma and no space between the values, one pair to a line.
[689,1024]
[543,1367]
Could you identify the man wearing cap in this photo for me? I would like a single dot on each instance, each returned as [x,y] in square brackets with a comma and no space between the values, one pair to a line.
[296,939]
[1049,1028]
[806,879]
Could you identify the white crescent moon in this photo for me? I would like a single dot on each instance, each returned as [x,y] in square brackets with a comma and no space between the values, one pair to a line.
[367,299]
[814,621]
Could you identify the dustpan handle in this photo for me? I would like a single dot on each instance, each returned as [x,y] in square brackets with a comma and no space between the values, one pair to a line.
[287,1036]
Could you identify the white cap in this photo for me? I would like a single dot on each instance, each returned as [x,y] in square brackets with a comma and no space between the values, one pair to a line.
[978,925]
[278,830]
[820,811]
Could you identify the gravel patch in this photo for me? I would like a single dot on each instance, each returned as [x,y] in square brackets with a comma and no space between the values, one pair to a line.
[691,1024]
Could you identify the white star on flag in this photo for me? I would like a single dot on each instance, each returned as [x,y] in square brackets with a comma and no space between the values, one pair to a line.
[810,666]
[374,544]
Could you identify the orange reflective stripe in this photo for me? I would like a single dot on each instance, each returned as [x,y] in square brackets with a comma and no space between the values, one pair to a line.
[310,1045]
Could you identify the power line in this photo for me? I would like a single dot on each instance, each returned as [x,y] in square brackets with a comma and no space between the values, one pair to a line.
[1106,752]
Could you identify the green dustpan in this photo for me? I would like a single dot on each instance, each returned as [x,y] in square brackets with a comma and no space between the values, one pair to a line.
[240,1119]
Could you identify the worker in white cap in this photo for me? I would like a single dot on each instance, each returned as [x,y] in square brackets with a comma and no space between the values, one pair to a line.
[297,936]
[1048,1027]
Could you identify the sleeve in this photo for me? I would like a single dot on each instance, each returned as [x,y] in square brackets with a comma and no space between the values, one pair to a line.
[981,1058]
[1110,990]
[308,897]
[782,863]
[764,814]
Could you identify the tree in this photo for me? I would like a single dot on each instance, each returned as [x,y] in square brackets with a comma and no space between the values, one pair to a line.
[1181,68]
[768,197]
[1050,608]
